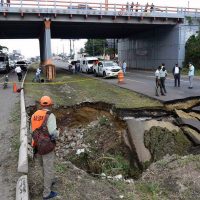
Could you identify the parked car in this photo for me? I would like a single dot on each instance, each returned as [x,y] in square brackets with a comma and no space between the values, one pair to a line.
[87,64]
[4,63]
[81,7]
[23,64]
[107,69]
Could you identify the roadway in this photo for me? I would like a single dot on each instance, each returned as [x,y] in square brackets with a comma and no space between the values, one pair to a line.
[9,102]
[143,82]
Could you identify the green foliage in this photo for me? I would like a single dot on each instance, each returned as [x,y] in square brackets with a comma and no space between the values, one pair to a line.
[161,141]
[60,167]
[189,19]
[111,165]
[192,51]
[95,47]
[149,189]
[103,121]
[3,48]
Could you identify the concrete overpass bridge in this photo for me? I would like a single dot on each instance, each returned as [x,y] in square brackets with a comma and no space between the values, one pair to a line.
[67,19]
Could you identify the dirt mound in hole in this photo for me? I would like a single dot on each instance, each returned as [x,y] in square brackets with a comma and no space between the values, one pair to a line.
[93,140]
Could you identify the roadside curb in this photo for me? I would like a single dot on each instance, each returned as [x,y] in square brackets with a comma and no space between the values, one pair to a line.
[22,190]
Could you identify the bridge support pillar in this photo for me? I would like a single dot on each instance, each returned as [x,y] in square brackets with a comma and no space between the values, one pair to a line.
[45,51]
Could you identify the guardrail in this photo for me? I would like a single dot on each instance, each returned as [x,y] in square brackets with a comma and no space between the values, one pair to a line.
[89,6]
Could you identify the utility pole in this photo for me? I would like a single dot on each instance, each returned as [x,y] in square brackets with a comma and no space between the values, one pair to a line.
[106,4]
[93,47]
[114,48]
[70,44]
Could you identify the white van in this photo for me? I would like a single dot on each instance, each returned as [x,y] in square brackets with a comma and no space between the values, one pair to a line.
[87,64]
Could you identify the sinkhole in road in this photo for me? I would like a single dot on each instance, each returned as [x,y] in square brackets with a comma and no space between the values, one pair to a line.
[94,137]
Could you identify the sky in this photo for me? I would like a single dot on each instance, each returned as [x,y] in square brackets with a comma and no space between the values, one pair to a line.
[30,48]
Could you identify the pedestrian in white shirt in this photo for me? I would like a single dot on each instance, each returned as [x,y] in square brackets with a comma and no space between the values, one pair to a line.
[177,73]
[18,70]
[191,75]
[124,67]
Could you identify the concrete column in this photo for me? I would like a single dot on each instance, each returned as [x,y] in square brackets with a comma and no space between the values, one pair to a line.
[47,42]
[49,67]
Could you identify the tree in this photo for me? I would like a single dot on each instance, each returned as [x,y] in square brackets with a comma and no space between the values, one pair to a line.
[95,47]
[3,48]
[192,51]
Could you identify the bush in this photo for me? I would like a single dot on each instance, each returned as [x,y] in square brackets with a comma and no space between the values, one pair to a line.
[192,51]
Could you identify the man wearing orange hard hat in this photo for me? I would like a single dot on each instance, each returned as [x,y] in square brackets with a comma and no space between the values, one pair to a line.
[44,134]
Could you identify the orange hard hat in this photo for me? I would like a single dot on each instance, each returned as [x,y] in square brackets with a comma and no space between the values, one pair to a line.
[46,101]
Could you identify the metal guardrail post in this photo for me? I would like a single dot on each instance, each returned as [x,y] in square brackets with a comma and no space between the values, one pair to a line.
[115,7]
[21,3]
[101,6]
[38,4]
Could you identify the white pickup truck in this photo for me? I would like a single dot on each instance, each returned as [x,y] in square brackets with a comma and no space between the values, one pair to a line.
[106,69]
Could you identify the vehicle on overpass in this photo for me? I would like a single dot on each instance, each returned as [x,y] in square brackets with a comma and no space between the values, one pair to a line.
[81,7]
[23,64]
[4,63]
[106,68]
[87,64]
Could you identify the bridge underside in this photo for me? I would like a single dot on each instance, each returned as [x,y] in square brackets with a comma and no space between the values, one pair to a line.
[74,30]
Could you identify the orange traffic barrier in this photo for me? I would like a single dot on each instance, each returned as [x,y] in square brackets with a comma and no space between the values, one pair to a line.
[14,87]
[120,77]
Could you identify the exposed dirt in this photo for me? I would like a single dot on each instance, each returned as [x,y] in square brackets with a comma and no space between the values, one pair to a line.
[91,138]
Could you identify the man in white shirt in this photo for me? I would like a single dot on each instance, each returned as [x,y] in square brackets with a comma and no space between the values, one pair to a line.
[18,70]
[191,75]
[176,72]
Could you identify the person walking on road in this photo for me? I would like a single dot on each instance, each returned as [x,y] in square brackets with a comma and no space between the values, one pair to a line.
[44,134]
[191,75]
[177,74]
[124,67]
[18,70]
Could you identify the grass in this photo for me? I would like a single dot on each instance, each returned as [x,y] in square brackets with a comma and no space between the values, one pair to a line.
[70,89]
[127,190]
[148,190]
[15,118]
[60,168]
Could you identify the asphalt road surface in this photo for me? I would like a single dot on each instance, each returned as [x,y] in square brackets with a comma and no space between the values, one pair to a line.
[144,82]
[8,165]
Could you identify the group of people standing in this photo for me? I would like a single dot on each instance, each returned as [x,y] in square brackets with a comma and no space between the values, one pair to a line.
[7,3]
[161,74]
[134,7]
